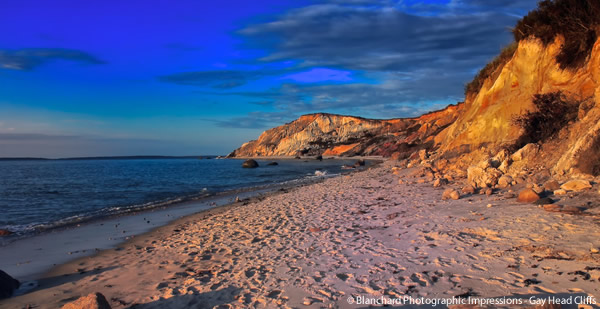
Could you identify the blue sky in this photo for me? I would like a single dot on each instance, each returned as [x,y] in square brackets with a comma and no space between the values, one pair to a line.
[95,78]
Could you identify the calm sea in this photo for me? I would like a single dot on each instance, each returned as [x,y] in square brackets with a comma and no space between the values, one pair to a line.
[39,195]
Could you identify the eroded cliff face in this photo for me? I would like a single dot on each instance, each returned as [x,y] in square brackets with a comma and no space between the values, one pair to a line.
[487,119]
[480,128]
[336,135]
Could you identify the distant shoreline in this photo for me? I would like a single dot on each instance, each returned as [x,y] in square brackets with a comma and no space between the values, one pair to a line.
[200,157]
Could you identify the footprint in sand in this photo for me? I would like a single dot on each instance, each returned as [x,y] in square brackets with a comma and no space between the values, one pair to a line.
[420,279]
[478,267]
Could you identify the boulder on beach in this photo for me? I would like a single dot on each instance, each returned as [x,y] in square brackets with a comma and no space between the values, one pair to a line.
[576,185]
[450,194]
[250,164]
[5,232]
[8,285]
[272,163]
[527,196]
[91,301]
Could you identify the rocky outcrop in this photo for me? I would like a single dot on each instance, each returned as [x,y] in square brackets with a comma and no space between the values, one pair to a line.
[8,285]
[91,301]
[336,135]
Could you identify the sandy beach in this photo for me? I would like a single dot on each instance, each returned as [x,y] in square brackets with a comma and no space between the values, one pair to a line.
[335,243]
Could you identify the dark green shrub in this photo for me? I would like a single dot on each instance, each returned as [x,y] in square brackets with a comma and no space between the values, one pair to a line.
[553,111]
[576,20]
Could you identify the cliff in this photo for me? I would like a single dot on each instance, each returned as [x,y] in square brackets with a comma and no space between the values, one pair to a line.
[500,114]
[337,135]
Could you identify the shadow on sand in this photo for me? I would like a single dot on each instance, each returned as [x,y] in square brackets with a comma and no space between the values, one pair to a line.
[214,299]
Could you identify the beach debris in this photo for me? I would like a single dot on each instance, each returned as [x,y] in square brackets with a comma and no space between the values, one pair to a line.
[450,194]
[576,185]
[5,232]
[8,285]
[250,164]
[272,164]
[527,196]
[91,301]
[440,182]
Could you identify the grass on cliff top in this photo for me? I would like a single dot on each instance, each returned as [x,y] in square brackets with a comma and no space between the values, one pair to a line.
[577,21]
[492,67]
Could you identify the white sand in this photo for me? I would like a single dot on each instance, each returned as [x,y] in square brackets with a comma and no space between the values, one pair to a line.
[357,235]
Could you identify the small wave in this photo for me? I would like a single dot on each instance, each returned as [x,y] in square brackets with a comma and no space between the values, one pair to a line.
[320,173]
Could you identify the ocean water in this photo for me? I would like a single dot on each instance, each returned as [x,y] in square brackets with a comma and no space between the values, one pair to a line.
[40,195]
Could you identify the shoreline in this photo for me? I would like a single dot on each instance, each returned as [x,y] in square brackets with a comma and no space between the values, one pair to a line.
[29,257]
[360,234]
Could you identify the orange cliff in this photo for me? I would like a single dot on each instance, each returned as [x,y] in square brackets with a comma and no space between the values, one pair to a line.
[484,121]
[337,135]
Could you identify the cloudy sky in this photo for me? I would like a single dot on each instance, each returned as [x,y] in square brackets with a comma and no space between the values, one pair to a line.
[93,78]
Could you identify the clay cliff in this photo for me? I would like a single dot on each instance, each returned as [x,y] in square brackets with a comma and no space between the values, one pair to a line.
[337,135]
[546,62]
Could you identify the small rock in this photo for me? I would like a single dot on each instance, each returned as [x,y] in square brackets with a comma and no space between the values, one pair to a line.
[360,162]
[400,181]
[504,181]
[544,201]
[250,164]
[527,196]
[440,182]
[489,205]
[8,285]
[423,154]
[527,151]
[450,194]
[272,163]
[5,232]
[576,185]
[594,250]
[509,195]
[552,207]
[468,189]
[489,191]
[319,157]
[560,192]
[91,301]
[551,185]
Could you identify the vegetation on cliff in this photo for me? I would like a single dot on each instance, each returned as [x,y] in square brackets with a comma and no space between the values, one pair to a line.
[577,21]
[553,111]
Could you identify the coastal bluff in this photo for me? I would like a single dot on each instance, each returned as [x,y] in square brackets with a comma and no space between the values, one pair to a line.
[482,127]
[338,135]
